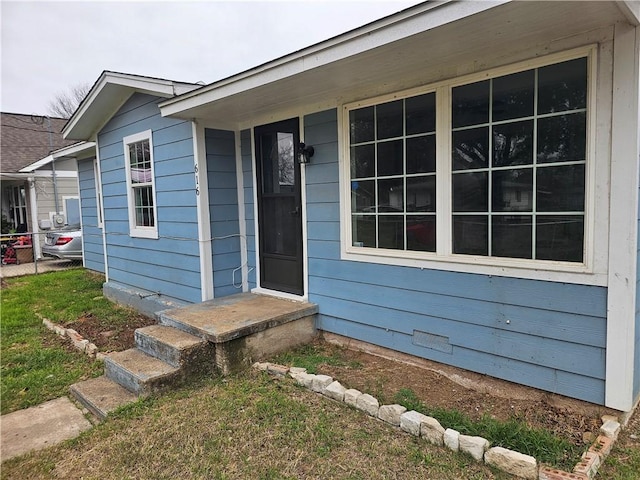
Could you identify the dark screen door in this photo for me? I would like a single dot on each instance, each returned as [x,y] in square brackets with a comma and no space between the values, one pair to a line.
[279,206]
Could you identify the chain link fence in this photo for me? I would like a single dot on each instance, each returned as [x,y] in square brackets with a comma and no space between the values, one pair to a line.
[39,252]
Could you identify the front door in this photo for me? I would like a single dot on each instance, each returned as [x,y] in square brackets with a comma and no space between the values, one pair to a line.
[279,206]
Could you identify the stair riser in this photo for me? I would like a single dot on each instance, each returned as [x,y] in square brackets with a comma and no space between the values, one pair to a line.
[192,358]
[136,384]
[88,404]
[170,322]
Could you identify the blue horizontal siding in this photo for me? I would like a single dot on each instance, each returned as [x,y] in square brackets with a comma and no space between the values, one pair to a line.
[547,335]
[170,264]
[223,209]
[525,373]
[93,251]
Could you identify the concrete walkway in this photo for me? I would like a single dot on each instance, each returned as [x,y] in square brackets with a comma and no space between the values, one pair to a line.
[40,427]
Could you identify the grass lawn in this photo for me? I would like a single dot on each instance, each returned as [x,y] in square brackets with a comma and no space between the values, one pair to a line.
[247,426]
[36,365]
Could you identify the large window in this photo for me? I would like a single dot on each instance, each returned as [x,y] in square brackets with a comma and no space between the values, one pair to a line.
[492,167]
[140,179]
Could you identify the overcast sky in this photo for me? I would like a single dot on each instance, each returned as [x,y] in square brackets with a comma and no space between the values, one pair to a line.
[48,47]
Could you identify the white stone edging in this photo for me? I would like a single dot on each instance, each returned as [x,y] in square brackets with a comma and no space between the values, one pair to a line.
[420,425]
[80,343]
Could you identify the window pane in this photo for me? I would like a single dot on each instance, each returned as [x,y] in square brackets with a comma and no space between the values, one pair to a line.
[390,158]
[421,194]
[470,192]
[513,144]
[421,233]
[560,189]
[511,236]
[560,237]
[143,201]
[562,86]
[471,104]
[363,161]
[361,125]
[391,195]
[391,232]
[364,230]
[421,154]
[562,138]
[512,190]
[471,148]
[470,234]
[389,120]
[363,196]
[421,114]
[513,96]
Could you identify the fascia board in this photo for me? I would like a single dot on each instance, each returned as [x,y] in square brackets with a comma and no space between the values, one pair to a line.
[421,18]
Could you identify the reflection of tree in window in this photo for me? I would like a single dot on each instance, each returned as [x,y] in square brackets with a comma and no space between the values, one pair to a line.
[550,101]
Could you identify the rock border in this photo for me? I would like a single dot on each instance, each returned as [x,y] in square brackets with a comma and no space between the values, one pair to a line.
[80,343]
[420,425]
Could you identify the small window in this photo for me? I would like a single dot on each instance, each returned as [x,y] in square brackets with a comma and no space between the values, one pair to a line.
[138,151]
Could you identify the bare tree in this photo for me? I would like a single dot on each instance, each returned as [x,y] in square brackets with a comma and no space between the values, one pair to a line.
[65,103]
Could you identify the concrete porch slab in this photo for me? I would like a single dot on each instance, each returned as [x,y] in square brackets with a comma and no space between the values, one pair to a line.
[236,316]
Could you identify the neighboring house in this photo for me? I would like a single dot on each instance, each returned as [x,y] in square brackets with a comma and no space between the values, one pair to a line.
[472,197]
[31,189]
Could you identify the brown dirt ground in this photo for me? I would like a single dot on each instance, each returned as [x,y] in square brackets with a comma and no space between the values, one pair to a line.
[109,338]
[366,369]
[476,395]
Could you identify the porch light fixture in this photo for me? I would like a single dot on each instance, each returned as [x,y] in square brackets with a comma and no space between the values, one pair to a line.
[305,153]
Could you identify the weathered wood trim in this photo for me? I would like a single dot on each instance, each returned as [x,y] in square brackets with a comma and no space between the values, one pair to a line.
[625,149]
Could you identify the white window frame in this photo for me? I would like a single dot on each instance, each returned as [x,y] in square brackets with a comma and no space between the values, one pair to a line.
[137,230]
[98,185]
[586,272]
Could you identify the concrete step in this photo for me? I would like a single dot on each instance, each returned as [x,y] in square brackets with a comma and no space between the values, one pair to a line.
[140,373]
[101,395]
[175,347]
[245,327]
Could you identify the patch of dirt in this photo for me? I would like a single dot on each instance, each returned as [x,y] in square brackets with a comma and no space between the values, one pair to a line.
[438,385]
[108,337]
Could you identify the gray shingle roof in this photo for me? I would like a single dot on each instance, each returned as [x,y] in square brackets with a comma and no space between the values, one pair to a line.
[24,139]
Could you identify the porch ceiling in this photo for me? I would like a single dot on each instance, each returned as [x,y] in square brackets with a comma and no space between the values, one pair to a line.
[423,48]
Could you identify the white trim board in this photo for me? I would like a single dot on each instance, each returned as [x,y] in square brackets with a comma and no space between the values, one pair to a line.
[623,241]
[202,205]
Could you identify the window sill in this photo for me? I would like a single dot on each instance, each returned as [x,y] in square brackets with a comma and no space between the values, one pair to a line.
[502,267]
[144,233]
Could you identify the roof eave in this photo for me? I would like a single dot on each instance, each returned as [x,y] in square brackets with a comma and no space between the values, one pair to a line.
[109,92]
[631,11]
[77,150]
[386,30]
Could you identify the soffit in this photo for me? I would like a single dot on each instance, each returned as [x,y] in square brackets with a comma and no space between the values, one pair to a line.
[434,54]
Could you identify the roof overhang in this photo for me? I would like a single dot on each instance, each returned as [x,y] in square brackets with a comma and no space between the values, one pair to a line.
[417,46]
[77,150]
[108,94]
[631,10]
